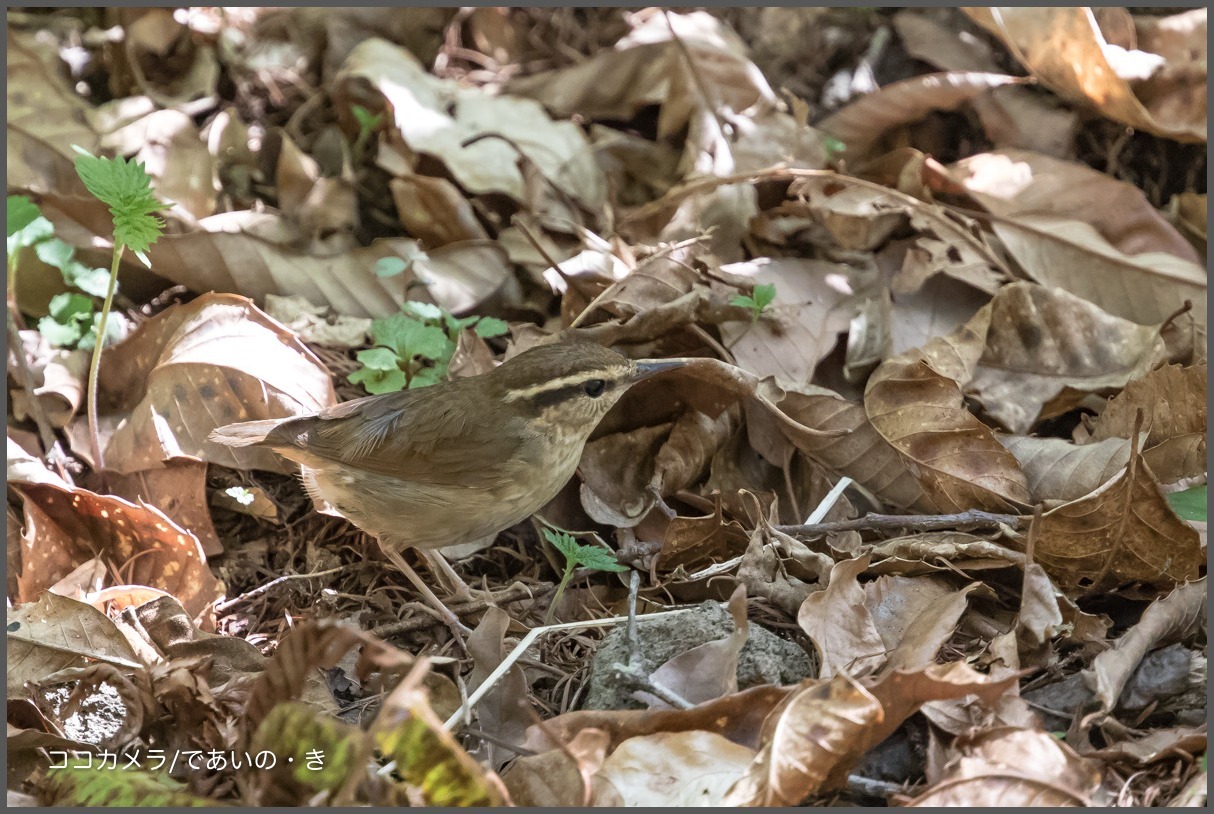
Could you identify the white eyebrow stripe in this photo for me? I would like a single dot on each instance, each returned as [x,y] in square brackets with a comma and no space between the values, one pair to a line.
[555,384]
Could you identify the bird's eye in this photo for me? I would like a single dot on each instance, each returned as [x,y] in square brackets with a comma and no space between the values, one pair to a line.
[594,388]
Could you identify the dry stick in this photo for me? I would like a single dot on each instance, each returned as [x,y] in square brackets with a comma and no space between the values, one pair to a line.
[261,589]
[476,606]
[910,522]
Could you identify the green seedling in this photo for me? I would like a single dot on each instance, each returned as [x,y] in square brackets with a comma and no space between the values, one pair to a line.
[414,347]
[575,554]
[757,301]
[368,123]
[126,188]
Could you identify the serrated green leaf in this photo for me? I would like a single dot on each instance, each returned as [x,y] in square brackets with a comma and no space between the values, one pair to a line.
[562,542]
[742,301]
[126,188]
[764,295]
[379,359]
[489,327]
[376,382]
[410,338]
[1190,504]
[592,556]
[21,213]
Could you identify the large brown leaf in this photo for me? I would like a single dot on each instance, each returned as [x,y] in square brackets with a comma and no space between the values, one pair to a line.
[198,366]
[692,768]
[1057,469]
[915,402]
[1125,531]
[1173,401]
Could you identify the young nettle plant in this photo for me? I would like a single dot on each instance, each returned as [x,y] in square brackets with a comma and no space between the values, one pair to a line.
[368,123]
[575,554]
[757,301]
[126,188]
[413,348]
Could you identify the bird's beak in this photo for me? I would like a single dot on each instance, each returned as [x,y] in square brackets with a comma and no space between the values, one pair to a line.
[646,369]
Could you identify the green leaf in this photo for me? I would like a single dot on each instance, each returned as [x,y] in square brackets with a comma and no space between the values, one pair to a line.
[379,359]
[743,301]
[489,327]
[54,252]
[457,324]
[376,382]
[410,338]
[126,188]
[67,305]
[562,542]
[36,231]
[389,266]
[1190,504]
[425,311]
[21,213]
[60,335]
[764,295]
[365,118]
[113,332]
[90,281]
[426,377]
[833,146]
[599,559]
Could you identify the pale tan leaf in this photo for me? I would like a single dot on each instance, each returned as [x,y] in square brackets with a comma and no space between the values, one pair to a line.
[202,365]
[1057,469]
[1066,50]
[1011,183]
[861,123]
[692,768]
[839,622]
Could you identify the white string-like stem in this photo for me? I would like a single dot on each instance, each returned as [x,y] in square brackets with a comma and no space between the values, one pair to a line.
[521,648]
[828,502]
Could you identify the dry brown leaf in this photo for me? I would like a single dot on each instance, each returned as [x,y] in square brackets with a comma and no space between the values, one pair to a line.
[1069,254]
[197,366]
[839,622]
[940,551]
[916,630]
[861,123]
[1155,745]
[479,138]
[1066,50]
[182,169]
[66,527]
[1045,349]
[693,443]
[1011,117]
[1125,531]
[1188,211]
[559,777]
[503,711]
[434,210]
[738,717]
[816,734]
[1176,617]
[55,633]
[709,670]
[801,325]
[1011,183]
[615,471]
[1173,400]
[1057,469]
[59,379]
[1013,767]
[915,402]
[179,490]
[691,768]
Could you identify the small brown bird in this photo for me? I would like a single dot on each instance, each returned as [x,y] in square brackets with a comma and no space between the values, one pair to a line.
[458,461]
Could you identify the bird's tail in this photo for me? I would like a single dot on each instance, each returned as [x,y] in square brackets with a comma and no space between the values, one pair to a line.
[246,433]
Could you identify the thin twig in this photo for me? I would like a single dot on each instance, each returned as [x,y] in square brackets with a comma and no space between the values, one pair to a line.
[910,522]
[261,589]
[507,596]
[638,679]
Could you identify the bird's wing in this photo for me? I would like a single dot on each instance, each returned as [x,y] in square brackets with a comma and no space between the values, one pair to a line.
[412,435]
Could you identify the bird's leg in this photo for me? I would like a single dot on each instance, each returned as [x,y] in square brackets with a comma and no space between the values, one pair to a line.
[458,629]
[442,569]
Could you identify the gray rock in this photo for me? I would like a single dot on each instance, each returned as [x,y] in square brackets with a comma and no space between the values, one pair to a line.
[764,659]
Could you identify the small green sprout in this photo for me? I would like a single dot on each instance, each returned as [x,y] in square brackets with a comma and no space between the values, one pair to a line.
[575,554]
[126,188]
[758,300]
[368,123]
[414,347]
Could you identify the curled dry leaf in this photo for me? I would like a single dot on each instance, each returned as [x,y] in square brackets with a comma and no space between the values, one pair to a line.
[839,622]
[1011,183]
[738,717]
[1125,531]
[1057,469]
[861,123]
[1013,767]
[558,777]
[66,527]
[691,768]
[940,551]
[1065,49]
[1176,617]
[54,633]
[59,379]
[1173,400]
[503,711]
[201,365]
